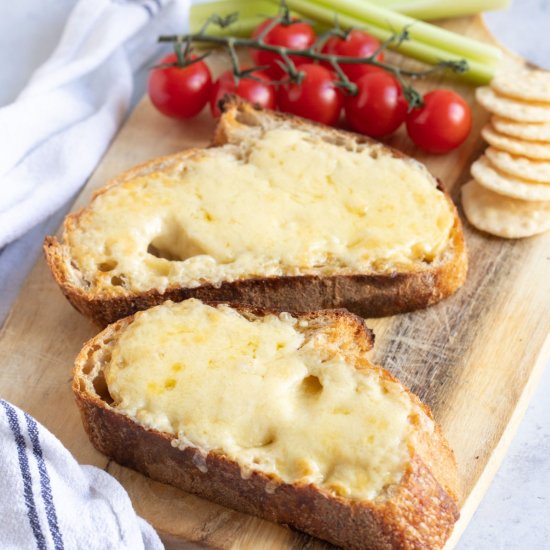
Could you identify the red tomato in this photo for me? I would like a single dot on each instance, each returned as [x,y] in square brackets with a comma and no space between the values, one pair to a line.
[316,97]
[296,35]
[258,93]
[331,47]
[379,107]
[180,93]
[441,124]
[356,44]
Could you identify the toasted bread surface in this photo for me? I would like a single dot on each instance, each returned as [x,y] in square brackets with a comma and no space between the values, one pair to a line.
[372,291]
[418,511]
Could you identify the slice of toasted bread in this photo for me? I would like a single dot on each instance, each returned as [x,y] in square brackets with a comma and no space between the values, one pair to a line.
[278,416]
[279,213]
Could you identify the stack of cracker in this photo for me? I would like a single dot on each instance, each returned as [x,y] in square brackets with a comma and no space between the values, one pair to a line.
[509,195]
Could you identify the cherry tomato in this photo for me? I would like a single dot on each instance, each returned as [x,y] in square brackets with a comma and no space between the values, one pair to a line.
[258,93]
[296,35]
[441,124]
[316,97]
[180,93]
[356,44]
[379,107]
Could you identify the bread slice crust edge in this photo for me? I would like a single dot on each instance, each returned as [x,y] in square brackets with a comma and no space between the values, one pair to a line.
[366,294]
[420,512]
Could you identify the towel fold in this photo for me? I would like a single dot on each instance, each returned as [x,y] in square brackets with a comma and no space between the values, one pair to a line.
[48,501]
[60,125]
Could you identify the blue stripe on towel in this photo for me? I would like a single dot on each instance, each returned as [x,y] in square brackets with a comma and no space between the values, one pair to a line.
[25,474]
[148,9]
[45,484]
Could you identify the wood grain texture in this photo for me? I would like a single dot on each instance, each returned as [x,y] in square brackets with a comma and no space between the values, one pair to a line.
[474,358]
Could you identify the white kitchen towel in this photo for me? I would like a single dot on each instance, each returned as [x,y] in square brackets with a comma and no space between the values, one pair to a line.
[48,501]
[53,135]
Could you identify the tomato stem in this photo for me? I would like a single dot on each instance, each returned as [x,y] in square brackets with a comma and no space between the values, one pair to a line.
[182,47]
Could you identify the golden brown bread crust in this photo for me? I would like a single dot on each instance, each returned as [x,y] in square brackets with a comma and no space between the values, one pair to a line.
[419,513]
[366,294]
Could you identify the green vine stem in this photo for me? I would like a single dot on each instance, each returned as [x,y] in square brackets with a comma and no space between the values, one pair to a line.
[183,49]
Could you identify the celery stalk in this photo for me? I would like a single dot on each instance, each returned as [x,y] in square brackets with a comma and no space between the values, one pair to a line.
[428,43]
[242,28]
[368,14]
[251,14]
[478,73]
[259,9]
[437,9]
[419,9]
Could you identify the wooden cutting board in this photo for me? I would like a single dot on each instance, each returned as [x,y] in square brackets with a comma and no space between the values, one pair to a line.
[474,358]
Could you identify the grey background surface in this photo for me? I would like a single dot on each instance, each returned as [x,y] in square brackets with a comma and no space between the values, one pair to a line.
[515,512]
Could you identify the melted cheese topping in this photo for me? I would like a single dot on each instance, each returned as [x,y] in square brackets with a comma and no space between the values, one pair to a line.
[291,204]
[263,393]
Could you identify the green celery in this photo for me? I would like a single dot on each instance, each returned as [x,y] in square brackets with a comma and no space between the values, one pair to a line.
[419,9]
[245,8]
[428,43]
[478,73]
[242,28]
[368,14]
[251,14]
[438,9]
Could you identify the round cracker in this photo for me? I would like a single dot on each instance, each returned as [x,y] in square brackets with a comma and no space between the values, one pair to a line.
[490,178]
[512,108]
[521,167]
[523,83]
[515,146]
[503,216]
[522,130]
